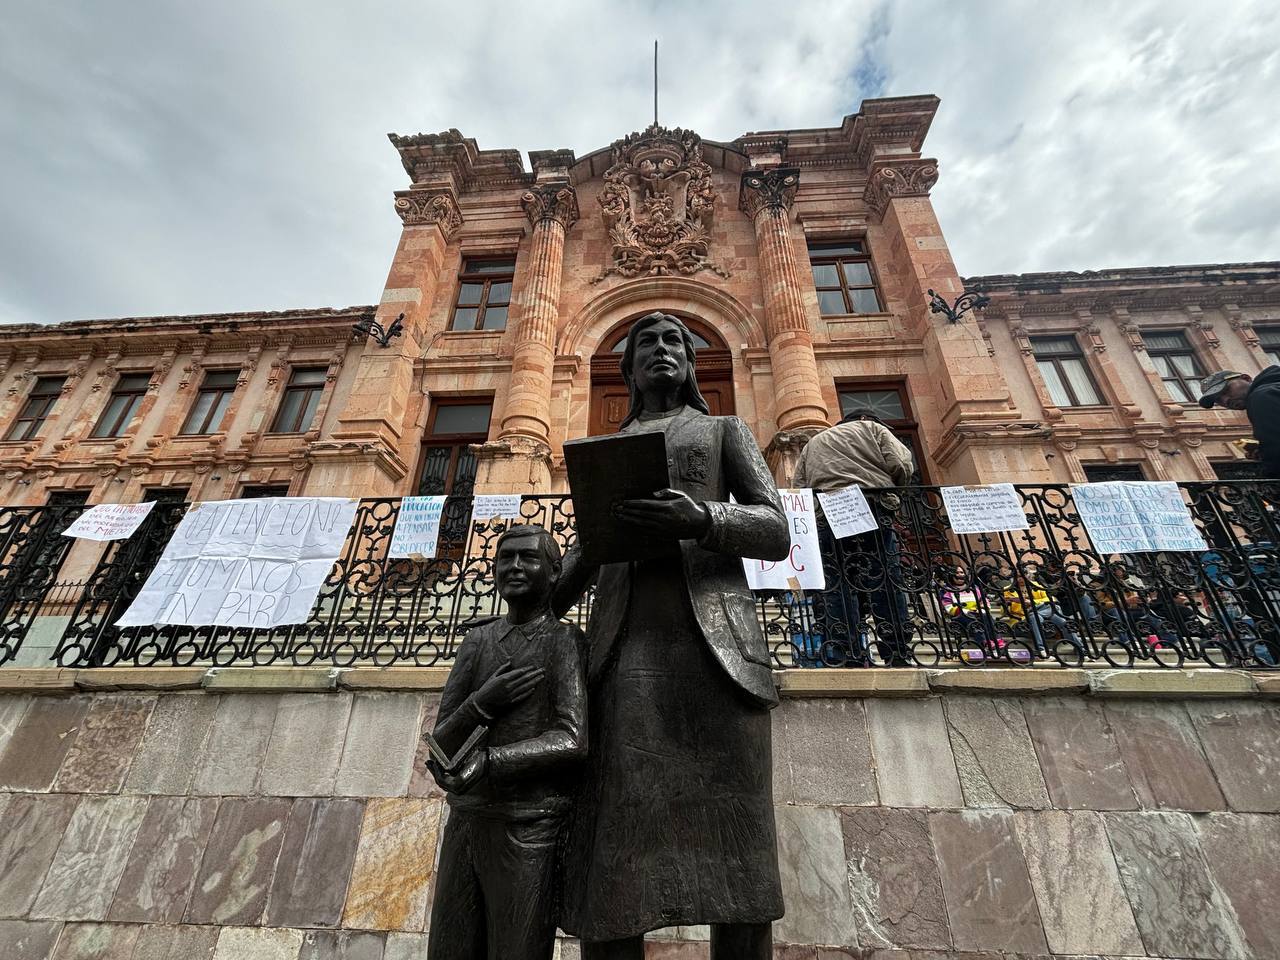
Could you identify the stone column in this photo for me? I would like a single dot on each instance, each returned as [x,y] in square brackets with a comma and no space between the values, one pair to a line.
[363,455]
[520,459]
[766,197]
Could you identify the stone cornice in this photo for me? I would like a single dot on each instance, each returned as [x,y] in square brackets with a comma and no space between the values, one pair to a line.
[551,201]
[449,159]
[420,207]
[773,190]
[894,178]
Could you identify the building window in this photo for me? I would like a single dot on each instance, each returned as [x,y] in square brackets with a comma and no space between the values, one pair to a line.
[1065,373]
[301,398]
[1104,472]
[256,491]
[484,294]
[843,277]
[124,403]
[1237,469]
[165,495]
[1178,365]
[1269,340]
[36,410]
[449,466]
[888,401]
[211,403]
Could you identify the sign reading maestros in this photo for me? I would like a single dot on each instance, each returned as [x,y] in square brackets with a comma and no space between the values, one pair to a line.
[803,566]
[245,563]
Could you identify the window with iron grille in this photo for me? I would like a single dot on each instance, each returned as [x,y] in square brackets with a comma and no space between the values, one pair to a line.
[844,278]
[1237,469]
[165,495]
[211,402]
[449,466]
[484,294]
[1062,365]
[44,394]
[1269,340]
[1177,363]
[125,400]
[300,401]
[1105,472]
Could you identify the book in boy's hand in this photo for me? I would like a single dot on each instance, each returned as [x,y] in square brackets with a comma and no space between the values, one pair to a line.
[604,471]
[451,765]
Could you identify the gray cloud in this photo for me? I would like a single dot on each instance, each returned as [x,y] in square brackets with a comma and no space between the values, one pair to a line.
[161,157]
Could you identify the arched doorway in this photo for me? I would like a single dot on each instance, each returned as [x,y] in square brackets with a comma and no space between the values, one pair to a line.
[610,399]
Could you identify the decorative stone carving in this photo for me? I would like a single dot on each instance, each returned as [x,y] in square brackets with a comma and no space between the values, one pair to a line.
[418,207]
[768,190]
[889,179]
[551,201]
[657,203]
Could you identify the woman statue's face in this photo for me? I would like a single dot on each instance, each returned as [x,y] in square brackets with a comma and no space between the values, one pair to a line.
[659,363]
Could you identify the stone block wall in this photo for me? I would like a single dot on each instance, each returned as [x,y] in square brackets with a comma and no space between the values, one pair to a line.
[273,825]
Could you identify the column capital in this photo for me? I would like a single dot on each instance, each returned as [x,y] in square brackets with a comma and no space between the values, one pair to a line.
[418,207]
[888,179]
[551,201]
[773,190]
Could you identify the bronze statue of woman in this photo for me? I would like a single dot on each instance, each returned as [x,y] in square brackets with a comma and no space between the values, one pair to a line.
[674,824]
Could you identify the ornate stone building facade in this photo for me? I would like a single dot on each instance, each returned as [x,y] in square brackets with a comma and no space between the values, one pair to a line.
[804,259]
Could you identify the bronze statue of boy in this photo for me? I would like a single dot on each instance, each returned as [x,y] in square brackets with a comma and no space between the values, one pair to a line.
[521,677]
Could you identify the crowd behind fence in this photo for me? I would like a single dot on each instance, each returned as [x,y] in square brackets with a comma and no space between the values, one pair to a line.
[923,596]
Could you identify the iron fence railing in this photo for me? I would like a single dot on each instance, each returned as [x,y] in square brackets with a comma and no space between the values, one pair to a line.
[912,593]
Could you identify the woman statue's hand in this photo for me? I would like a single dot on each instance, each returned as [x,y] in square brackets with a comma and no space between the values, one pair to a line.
[672,512]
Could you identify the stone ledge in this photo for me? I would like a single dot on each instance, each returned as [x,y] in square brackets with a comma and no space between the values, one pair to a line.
[846,682]
[1013,680]
[36,680]
[1184,683]
[394,678]
[271,679]
[1268,684]
[140,678]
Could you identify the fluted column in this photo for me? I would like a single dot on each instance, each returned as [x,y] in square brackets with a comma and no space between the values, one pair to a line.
[552,208]
[766,197]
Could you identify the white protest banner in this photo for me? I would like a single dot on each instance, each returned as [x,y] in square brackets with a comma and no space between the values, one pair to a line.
[245,563]
[803,565]
[1130,516]
[984,509]
[109,521]
[487,506]
[417,527]
[847,512]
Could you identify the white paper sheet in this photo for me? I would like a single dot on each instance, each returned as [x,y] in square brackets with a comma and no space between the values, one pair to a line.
[245,563]
[1131,516]
[417,530]
[984,509]
[109,521]
[803,566]
[847,512]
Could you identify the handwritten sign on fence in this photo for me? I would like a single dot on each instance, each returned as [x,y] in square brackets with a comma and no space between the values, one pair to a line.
[984,509]
[488,506]
[417,527]
[109,521]
[847,512]
[245,563]
[803,566]
[1130,516]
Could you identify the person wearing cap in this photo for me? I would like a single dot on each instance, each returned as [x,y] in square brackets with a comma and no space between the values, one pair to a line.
[1259,398]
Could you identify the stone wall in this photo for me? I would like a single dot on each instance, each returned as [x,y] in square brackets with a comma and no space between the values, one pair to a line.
[284,815]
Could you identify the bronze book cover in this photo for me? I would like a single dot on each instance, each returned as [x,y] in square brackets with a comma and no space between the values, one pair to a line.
[604,471]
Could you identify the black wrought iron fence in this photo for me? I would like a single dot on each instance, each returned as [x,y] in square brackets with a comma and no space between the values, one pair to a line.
[912,593]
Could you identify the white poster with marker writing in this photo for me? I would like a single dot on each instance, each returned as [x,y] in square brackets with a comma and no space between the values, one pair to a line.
[803,566]
[847,511]
[245,563]
[109,521]
[1132,516]
[490,506]
[417,530]
[989,508]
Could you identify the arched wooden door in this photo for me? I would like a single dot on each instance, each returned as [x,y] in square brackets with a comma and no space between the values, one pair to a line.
[610,399]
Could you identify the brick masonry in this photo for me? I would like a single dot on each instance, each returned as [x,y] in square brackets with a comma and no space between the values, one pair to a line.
[925,828]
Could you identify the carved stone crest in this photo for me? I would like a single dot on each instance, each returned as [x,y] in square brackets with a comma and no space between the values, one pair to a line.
[657,204]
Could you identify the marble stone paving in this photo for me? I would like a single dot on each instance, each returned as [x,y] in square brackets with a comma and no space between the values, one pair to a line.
[267,826]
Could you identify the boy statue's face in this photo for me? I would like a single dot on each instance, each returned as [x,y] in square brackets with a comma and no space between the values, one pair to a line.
[522,571]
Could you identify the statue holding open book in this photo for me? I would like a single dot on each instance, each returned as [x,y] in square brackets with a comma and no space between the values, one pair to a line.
[670,818]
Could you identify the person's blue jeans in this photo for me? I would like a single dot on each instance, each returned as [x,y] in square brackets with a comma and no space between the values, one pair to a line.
[870,561]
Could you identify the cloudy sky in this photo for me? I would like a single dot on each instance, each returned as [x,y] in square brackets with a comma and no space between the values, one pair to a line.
[170,156]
